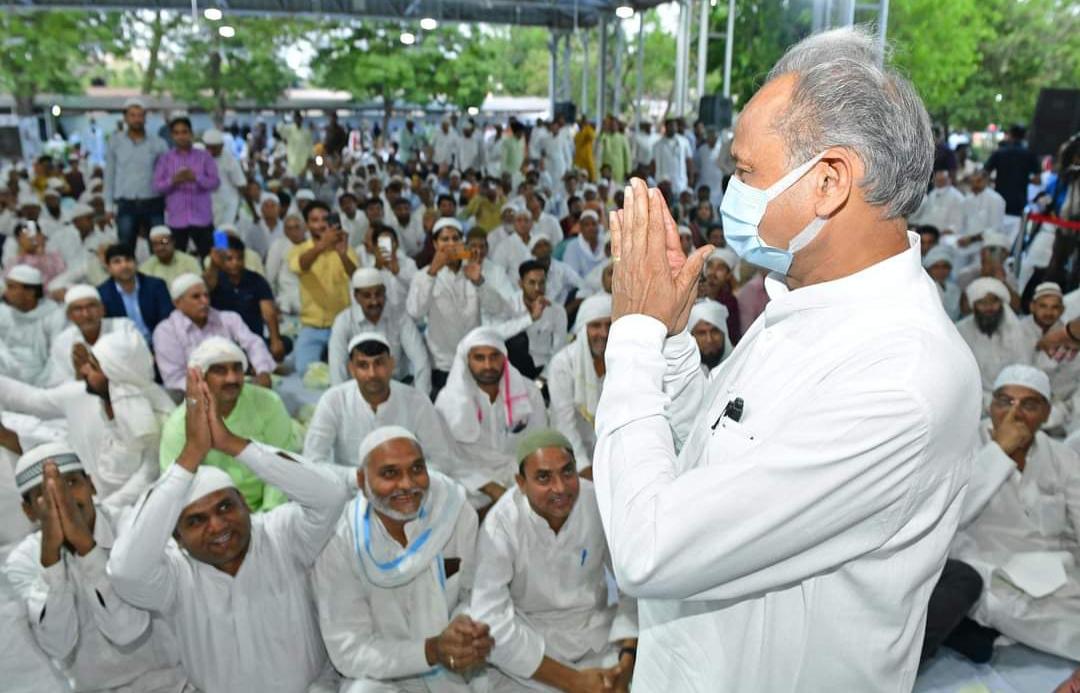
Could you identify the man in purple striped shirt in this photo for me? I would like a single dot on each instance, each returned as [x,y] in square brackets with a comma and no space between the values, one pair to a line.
[186,177]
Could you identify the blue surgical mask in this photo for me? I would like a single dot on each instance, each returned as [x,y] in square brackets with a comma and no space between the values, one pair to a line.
[743,209]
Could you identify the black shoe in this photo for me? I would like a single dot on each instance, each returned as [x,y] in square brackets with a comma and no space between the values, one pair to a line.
[973,641]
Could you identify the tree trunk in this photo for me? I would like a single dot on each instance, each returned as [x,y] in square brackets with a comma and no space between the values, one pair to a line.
[215,86]
[24,103]
[156,37]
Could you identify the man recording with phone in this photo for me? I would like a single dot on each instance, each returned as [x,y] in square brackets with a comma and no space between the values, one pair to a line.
[324,264]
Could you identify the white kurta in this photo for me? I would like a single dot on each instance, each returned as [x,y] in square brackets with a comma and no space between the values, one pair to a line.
[450,304]
[444,145]
[61,368]
[96,640]
[511,252]
[942,208]
[983,212]
[225,200]
[375,633]
[795,549]
[25,340]
[283,280]
[1064,375]
[121,465]
[1007,346]
[546,594]
[548,225]
[470,152]
[670,155]
[343,418]
[567,416]
[1013,514]
[406,344]
[411,235]
[257,630]
[546,335]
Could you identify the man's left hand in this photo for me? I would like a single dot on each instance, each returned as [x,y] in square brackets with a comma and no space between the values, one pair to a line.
[263,379]
[652,274]
[474,272]
[277,350]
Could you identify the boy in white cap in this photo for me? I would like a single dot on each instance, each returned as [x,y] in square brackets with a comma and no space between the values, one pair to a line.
[85,312]
[390,608]
[29,323]
[233,586]
[371,311]
[96,640]
[1020,526]
[167,262]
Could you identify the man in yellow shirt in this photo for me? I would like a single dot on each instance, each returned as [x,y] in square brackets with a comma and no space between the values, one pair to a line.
[583,148]
[487,206]
[324,263]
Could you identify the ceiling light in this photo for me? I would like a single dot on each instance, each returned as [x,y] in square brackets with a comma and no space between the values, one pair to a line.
[428,24]
[624,12]
[56,111]
[408,38]
[226,31]
[213,14]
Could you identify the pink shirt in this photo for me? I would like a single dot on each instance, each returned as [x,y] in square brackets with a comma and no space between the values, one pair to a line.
[187,204]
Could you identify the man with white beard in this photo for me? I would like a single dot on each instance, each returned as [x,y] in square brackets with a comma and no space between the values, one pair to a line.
[82,304]
[575,378]
[488,407]
[391,606]
[993,331]
[541,581]
[708,327]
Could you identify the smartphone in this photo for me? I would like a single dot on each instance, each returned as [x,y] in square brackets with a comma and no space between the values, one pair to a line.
[464,254]
[386,246]
[221,240]
[333,220]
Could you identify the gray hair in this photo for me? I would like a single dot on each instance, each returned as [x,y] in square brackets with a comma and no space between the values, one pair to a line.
[843,97]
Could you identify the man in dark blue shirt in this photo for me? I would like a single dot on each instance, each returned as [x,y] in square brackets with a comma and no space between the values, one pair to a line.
[1015,166]
[236,288]
[132,294]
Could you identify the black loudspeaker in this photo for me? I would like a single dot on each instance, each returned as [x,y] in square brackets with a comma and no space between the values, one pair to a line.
[566,109]
[714,110]
[1057,118]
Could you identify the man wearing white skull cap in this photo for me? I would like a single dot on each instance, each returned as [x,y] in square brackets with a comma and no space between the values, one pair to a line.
[28,325]
[233,586]
[225,200]
[97,641]
[993,331]
[1046,309]
[1019,527]
[394,579]
[86,313]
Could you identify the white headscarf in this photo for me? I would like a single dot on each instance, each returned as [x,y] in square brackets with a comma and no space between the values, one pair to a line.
[462,403]
[138,403]
[987,286]
[207,480]
[586,382]
[716,314]
[214,351]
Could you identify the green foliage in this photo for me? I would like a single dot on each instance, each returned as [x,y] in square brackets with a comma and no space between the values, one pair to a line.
[52,51]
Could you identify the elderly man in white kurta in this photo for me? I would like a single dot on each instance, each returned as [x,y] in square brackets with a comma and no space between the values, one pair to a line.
[1022,520]
[450,295]
[369,399]
[233,587]
[82,304]
[575,377]
[29,323]
[488,407]
[1046,309]
[783,527]
[97,641]
[993,331]
[541,581]
[708,327]
[515,249]
[394,579]
[370,311]
[113,416]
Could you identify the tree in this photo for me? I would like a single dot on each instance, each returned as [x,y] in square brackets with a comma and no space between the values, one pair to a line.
[51,51]
[369,61]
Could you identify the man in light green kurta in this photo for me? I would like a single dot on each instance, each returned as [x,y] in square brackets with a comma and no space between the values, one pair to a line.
[614,151]
[167,263]
[299,145]
[249,411]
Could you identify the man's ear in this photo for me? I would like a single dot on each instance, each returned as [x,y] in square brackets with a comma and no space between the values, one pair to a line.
[360,478]
[28,510]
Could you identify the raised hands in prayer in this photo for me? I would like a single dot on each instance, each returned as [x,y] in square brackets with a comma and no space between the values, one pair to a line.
[203,426]
[652,275]
[62,522]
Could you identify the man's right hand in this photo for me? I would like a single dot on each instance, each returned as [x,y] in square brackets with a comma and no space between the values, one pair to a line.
[493,490]
[536,308]
[595,680]
[462,645]
[197,438]
[1012,434]
[438,262]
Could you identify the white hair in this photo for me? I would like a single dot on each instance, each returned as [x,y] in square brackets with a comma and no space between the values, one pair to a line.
[844,97]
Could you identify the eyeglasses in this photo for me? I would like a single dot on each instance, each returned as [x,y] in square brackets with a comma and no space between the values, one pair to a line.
[1028,405]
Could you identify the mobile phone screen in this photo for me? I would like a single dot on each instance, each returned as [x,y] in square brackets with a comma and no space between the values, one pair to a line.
[221,240]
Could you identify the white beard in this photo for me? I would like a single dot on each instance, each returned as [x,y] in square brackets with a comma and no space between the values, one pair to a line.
[382,506]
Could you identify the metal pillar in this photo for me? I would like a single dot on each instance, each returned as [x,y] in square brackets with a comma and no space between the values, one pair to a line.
[601,80]
[584,70]
[680,60]
[883,28]
[702,47]
[565,93]
[728,47]
[616,90]
[638,96]
[553,71]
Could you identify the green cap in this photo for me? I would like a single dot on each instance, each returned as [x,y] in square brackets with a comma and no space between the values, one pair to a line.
[539,439]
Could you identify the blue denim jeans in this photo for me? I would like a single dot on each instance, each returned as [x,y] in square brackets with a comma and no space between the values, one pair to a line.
[135,215]
[310,346]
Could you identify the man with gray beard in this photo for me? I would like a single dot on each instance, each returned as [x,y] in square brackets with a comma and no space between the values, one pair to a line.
[993,331]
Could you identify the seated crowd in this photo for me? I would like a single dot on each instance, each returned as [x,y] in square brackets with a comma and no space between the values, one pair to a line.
[430,524]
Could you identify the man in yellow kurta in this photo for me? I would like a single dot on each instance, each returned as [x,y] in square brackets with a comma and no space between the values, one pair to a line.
[583,148]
